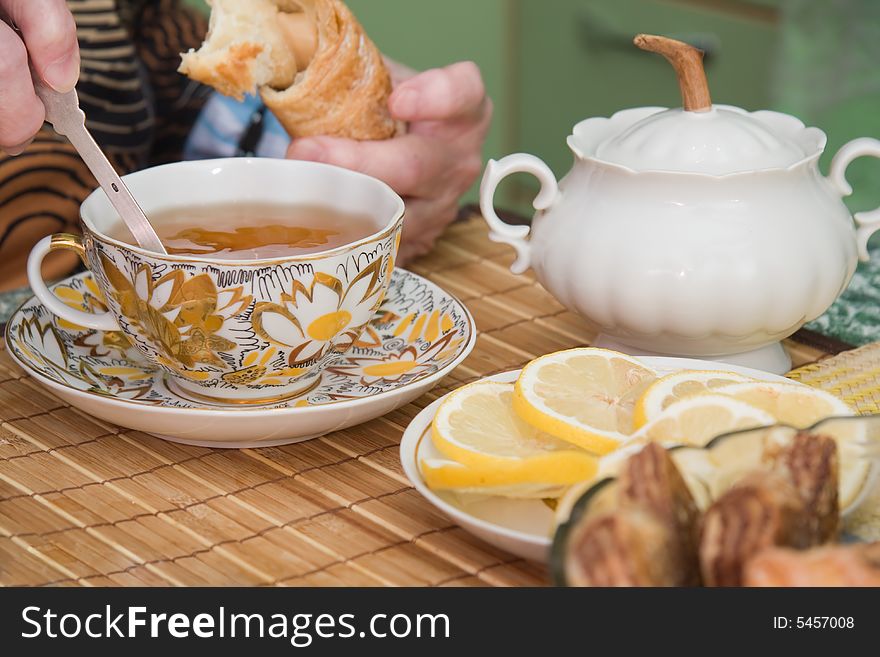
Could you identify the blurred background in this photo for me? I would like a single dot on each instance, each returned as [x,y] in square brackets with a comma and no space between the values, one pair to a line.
[551,63]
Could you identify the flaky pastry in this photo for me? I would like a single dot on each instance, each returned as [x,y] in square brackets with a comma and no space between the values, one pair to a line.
[310,60]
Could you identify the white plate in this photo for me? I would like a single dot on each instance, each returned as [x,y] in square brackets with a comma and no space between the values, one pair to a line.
[521,527]
[419,326]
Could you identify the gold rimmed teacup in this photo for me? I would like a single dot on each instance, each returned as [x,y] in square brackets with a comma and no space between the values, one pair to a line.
[226,330]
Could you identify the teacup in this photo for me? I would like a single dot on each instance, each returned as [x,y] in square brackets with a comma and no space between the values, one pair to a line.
[235,331]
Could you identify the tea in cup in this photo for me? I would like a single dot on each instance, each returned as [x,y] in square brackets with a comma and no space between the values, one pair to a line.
[273,268]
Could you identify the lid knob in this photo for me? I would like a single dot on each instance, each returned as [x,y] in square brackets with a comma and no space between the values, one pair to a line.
[688,64]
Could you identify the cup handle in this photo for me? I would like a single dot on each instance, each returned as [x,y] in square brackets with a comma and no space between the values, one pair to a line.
[868,222]
[100,321]
[503,232]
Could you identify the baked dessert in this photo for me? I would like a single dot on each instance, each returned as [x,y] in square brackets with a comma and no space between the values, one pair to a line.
[643,528]
[310,60]
[811,464]
[648,538]
[840,565]
[627,547]
[245,49]
[650,480]
[794,504]
[763,510]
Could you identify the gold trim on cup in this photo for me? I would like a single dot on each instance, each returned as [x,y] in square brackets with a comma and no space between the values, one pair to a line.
[69,242]
[189,395]
[345,249]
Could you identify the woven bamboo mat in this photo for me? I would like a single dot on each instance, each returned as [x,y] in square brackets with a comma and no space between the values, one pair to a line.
[854,376]
[86,503]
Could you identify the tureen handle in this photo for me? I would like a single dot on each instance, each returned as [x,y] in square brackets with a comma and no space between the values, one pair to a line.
[868,222]
[503,232]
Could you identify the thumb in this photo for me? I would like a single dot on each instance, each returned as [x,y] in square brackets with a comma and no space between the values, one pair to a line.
[440,94]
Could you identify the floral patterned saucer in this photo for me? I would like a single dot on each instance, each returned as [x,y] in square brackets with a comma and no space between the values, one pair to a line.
[419,334]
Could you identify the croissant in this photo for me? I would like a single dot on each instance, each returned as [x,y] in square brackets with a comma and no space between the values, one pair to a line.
[310,60]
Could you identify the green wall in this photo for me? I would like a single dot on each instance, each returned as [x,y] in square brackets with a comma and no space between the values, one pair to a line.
[431,34]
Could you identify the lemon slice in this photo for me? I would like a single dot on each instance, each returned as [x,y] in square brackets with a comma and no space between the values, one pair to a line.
[477,427]
[519,481]
[583,396]
[697,420]
[796,405]
[674,387]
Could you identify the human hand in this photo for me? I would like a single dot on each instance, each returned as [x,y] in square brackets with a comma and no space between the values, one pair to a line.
[434,162]
[48,35]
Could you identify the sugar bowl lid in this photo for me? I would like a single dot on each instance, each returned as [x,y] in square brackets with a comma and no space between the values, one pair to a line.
[701,137]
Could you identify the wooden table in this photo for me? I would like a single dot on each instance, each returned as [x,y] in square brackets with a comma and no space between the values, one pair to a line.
[86,503]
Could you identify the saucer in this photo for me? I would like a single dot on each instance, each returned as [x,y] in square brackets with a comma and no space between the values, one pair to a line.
[419,335]
[523,527]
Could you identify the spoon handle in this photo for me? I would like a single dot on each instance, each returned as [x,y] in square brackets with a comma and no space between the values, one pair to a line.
[68,119]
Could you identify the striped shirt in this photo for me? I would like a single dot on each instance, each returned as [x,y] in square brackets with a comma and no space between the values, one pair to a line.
[138,107]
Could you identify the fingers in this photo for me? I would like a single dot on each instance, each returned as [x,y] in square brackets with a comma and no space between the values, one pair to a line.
[21,112]
[441,94]
[50,34]
[409,164]
[18,150]
[437,160]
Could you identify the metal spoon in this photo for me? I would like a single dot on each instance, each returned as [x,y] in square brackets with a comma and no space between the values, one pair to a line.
[64,113]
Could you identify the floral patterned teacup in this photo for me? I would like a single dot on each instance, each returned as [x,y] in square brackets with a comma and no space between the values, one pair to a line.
[227,331]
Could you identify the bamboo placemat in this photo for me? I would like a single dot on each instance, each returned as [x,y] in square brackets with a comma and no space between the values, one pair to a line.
[854,376]
[86,503]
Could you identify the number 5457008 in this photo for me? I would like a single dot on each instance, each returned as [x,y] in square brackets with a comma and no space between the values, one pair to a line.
[821,622]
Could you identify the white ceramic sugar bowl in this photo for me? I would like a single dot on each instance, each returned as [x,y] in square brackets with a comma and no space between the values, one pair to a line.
[707,233]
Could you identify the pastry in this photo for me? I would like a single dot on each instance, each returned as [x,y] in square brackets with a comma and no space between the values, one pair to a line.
[244,49]
[811,464]
[794,504]
[650,480]
[762,510]
[644,528]
[628,547]
[849,565]
[647,537]
[309,59]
